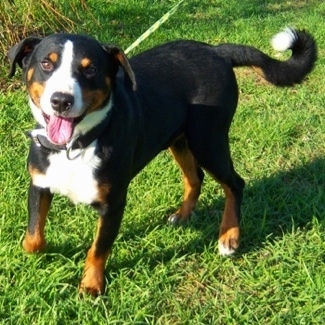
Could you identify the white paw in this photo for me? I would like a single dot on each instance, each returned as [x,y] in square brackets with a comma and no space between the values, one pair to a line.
[224,250]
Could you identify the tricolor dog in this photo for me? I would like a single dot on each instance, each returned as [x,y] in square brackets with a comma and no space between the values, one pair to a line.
[101,118]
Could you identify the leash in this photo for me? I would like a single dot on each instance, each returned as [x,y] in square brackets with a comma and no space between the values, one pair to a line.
[154,27]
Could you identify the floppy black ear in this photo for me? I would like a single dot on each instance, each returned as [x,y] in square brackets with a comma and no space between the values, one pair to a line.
[123,61]
[19,53]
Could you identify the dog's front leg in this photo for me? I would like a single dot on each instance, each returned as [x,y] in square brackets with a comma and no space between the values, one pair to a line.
[39,201]
[93,281]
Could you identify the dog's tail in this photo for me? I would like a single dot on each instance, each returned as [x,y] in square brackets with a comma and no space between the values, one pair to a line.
[280,73]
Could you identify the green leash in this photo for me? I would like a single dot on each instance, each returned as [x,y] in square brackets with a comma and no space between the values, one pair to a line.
[155,26]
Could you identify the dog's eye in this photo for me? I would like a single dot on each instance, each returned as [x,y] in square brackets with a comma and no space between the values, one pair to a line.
[90,71]
[46,65]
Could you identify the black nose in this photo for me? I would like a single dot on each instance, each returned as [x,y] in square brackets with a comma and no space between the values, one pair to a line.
[61,102]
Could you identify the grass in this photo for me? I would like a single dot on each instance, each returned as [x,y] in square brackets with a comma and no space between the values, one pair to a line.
[163,275]
[22,18]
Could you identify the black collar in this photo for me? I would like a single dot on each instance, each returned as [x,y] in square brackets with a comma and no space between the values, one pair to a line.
[80,142]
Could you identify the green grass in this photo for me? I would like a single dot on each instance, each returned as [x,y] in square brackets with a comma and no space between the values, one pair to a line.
[163,275]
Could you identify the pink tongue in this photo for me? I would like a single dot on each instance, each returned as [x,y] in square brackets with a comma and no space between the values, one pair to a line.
[59,129]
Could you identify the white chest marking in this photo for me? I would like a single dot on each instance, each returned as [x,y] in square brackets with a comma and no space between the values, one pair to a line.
[72,178]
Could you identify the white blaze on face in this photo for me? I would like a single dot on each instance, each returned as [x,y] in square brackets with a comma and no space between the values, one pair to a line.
[63,81]
[59,127]
[62,127]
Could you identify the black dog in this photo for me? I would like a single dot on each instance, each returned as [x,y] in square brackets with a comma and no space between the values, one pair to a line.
[101,119]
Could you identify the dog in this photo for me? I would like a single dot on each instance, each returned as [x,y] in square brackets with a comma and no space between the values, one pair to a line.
[101,117]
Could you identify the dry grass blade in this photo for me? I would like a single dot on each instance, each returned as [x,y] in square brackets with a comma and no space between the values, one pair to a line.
[22,18]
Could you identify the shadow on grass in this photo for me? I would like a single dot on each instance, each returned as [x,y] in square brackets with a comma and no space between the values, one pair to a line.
[272,206]
[283,203]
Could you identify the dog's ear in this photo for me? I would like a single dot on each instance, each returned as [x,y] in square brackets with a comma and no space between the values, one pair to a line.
[19,53]
[123,61]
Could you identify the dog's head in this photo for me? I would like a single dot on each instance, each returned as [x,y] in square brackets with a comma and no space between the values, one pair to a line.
[69,79]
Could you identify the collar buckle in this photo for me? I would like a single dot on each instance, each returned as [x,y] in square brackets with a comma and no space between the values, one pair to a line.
[69,149]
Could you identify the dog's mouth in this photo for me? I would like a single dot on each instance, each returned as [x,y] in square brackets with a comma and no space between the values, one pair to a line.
[60,129]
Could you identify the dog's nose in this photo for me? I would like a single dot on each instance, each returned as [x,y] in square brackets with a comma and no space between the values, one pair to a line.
[61,102]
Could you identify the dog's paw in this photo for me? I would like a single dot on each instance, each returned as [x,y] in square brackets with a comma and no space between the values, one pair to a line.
[33,244]
[228,241]
[178,218]
[92,283]
[174,219]
[92,291]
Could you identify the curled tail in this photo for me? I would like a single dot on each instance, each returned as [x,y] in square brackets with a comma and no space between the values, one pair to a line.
[279,73]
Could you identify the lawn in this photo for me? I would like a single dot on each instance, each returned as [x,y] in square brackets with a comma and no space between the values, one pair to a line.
[159,274]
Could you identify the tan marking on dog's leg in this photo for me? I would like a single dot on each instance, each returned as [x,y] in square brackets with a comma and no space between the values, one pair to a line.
[103,192]
[93,280]
[192,183]
[229,228]
[35,242]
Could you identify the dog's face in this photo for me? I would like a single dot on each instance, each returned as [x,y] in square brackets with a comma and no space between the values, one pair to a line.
[68,78]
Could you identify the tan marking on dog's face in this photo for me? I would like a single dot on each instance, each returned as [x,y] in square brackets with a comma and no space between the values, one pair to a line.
[95,99]
[85,62]
[30,73]
[53,57]
[36,90]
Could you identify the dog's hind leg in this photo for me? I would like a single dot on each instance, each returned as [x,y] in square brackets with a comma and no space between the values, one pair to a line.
[229,229]
[192,177]
[223,172]
[213,155]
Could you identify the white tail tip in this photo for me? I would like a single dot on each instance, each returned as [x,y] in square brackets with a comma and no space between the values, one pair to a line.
[284,40]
